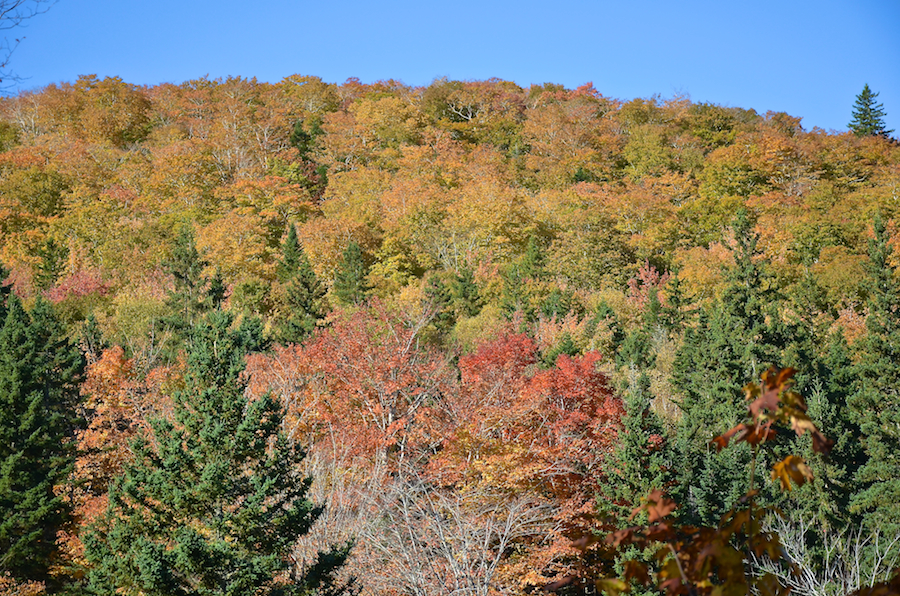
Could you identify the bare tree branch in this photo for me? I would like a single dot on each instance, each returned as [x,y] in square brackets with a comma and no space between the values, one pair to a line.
[13,13]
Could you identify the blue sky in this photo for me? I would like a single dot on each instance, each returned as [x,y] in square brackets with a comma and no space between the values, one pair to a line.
[806,58]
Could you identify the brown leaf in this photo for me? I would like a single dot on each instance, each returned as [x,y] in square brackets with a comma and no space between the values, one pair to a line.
[722,440]
[792,468]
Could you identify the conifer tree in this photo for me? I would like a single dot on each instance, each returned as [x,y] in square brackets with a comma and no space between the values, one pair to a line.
[868,117]
[39,376]
[438,301]
[464,293]
[291,255]
[213,500]
[733,343]
[350,284]
[305,295]
[53,257]
[187,300]
[876,403]
[826,377]
[639,464]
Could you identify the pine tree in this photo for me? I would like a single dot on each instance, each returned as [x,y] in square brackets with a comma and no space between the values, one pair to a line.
[53,257]
[213,500]
[305,296]
[350,284]
[464,292]
[639,464]
[826,378]
[876,403]
[733,343]
[39,376]
[868,117]
[291,255]
[187,300]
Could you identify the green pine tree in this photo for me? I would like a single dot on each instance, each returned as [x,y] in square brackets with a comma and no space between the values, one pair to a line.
[40,372]
[291,255]
[187,300]
[868,117]
[213,500]
[305,296]
[53,257]
[350,283]
[826,378]
[639,464]
[734,341]
[464,293]
[876,403]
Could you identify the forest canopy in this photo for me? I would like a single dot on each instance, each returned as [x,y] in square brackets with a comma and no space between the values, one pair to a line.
[476,322]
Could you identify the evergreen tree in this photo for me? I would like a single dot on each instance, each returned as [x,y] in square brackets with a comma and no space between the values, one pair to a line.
[187,300]
[868,117]
[350,284]
[532,262]
[876,403]
[305,296]
[213,500]
[291,255]
[39,376]
[464,294]
[826,379]
[733,343]
[639,464]
[439,301]
[53,257]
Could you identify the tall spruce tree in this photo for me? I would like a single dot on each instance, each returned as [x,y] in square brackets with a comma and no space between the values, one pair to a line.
[868,117]
[305,296]
[213,500]
[40,372]
[876,403]
[734,341]
[826,379]
[187,300]
[350,284]
[464,293]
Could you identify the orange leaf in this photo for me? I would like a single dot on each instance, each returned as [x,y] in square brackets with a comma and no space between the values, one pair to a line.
[792,468]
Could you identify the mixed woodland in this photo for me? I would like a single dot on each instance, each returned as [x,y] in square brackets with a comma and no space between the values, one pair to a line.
[469,338]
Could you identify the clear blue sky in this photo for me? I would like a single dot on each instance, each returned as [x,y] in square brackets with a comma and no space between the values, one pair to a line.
[806,58]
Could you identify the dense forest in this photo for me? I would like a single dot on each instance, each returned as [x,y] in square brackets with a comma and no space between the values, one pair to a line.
[469,338]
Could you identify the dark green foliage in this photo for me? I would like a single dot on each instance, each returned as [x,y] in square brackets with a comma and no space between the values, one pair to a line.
[876,403]
[350,283]
[868,117]
[53,257]
[186,300]
[532,262]
[305,296]
[605,322]
[733,343]
[559,303]
[213,500]
[439,301]
[291,256]
[215,293]
[39,376]
[827,384]
[565,345]
[525,287]
[639,464]
[304,133]
[464,294]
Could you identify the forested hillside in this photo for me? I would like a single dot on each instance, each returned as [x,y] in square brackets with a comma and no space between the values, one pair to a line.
[485,321]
